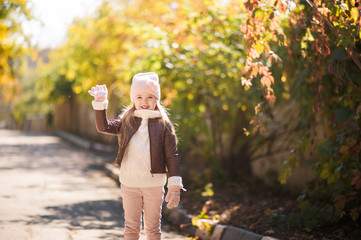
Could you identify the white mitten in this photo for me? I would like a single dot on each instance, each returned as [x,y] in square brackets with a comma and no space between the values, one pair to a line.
[173,196]
[99,92]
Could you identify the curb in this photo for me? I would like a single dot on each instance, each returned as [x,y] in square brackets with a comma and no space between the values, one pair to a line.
[175,216]
[112,172]
[84,143]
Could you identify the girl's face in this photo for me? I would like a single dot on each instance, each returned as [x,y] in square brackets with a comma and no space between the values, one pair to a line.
[145,101]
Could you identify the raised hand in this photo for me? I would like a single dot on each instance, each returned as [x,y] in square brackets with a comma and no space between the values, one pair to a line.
[99,92]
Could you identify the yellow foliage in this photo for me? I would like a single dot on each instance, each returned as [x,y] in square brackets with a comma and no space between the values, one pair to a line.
[11,50]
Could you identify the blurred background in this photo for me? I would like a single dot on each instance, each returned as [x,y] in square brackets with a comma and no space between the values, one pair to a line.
[259,89]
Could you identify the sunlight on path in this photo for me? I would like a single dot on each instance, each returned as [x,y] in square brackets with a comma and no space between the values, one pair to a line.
[50,189]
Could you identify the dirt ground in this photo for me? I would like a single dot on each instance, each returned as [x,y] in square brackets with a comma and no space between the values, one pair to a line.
[252,206]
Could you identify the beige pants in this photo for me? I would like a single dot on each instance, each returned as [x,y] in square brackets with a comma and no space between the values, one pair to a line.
[136,200]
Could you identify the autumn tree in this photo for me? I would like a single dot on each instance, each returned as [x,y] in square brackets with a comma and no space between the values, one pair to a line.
[323,70]
[12,44]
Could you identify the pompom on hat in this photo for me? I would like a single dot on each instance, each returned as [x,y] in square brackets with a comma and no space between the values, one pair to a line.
[145,83]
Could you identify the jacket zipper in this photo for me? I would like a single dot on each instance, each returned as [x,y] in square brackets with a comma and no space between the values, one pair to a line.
[150,152]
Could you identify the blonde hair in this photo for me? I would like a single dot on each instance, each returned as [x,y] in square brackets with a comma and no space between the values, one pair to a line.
[127,116]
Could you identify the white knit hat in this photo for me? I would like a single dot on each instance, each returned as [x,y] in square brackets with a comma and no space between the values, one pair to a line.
[145,83]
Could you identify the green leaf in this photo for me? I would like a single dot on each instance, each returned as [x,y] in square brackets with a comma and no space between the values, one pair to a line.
[354,214]
[325,173]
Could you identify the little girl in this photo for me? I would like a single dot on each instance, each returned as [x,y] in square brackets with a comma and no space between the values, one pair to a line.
[147,152]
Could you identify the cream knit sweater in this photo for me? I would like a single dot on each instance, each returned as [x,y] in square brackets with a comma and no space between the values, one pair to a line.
[135,167]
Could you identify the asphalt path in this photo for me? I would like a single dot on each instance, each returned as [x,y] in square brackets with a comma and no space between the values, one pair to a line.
[51,189]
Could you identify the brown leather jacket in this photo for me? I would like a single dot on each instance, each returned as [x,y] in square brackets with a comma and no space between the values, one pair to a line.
[163,146]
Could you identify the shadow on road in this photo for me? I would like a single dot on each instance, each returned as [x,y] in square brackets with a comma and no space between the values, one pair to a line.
[84,215]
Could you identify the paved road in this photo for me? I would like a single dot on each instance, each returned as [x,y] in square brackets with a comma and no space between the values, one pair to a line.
[50,189]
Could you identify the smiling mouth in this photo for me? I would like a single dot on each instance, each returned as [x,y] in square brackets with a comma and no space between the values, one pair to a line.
[144,107]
